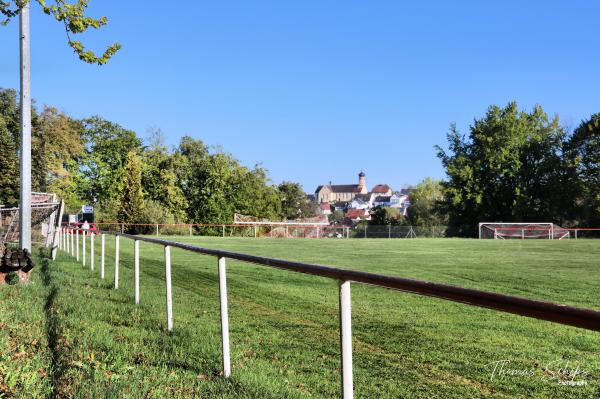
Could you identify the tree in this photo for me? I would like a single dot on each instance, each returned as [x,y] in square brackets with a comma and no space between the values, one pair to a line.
[9,166]
[106,148]
[336,217]
[160,180]
[383,216]
[583,149]
[294,203]
[509,169]
[57,144]
[425,199]
[131,209]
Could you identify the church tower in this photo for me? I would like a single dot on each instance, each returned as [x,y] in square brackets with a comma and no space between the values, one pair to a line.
[362,185]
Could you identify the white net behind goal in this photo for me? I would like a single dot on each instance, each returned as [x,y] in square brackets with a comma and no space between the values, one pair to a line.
[523,231]
[45,217]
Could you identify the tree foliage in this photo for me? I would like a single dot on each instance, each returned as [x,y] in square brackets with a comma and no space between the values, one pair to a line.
[425,204]
[131,203]
[510,168]
[9,168]
[583,151]
[383,216]
[73,16]
[294,202]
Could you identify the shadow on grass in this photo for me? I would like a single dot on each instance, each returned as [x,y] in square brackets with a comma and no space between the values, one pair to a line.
[52,323]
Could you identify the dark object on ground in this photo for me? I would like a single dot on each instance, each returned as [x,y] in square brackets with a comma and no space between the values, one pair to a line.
[16,261]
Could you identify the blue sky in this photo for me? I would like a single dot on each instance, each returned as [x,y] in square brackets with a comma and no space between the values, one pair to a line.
[318,90]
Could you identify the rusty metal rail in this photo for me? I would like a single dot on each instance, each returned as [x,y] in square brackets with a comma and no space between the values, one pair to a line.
[562,314]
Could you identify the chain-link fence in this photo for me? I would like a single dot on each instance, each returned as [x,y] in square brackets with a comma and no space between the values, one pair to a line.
[276,230]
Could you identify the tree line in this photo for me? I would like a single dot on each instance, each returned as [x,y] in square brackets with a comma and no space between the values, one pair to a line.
[514,166]
[97,161]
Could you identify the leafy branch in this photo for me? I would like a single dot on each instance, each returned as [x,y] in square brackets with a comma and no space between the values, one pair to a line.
[72,15]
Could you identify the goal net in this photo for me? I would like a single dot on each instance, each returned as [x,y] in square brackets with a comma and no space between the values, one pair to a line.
[46,212]
[523,231]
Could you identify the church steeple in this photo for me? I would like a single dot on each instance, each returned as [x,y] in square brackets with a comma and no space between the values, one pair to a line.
[361,179]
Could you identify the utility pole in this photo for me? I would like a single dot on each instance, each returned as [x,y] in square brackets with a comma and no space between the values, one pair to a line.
[25,67]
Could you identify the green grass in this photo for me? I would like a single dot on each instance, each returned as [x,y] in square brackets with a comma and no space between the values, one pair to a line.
[93,342]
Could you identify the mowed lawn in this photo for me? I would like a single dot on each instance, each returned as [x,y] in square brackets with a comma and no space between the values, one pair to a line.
[284,326]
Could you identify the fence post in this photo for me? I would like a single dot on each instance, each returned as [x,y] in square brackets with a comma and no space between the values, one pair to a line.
[346,339]
[522,234]
[77,244]
[254,231]
[102,256]
[122,228]
[168,286]
[92,251]
[83,234]
[117,262]
[389,231]
[72,244]
[223,231]
[157,229]
[190,230]
[575,233]
[224,318]
[136,270]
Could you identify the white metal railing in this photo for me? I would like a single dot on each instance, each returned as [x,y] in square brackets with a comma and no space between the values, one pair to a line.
[567,315]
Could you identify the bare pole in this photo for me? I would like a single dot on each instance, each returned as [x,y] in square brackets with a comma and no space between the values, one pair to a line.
[25,99]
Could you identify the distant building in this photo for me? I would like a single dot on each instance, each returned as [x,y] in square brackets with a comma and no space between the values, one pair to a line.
[382,189]
[355,200]
[341,192]
[356,215]
[324,208]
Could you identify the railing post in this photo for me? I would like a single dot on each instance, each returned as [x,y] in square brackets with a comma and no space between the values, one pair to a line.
[157,229]
[77,244]
[224,318]
[136,270]
[254,231]
[522,234]
[168,286]
[223,231]
[83,234]
[72,243]
[117,261]
[102,256]
[575,233]
[389,231]
[92,251]
[190,230]
[346,339]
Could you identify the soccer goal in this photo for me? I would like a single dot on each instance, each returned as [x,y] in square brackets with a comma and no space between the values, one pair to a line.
[46,213]
[523,231]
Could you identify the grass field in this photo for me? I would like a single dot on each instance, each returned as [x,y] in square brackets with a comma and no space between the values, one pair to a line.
[69,334]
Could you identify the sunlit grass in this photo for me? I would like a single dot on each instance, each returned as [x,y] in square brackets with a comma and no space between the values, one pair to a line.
[284,326]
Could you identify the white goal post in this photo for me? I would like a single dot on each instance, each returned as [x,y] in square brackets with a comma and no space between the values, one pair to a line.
[523,231]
